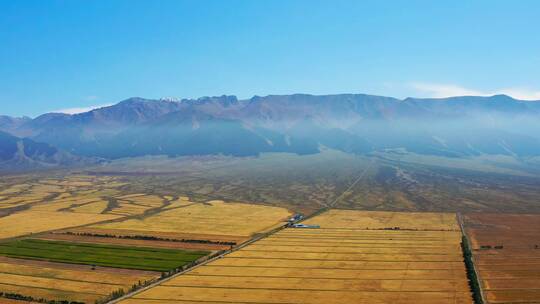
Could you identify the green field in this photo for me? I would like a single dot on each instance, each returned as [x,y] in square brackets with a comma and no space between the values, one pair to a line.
[100,255]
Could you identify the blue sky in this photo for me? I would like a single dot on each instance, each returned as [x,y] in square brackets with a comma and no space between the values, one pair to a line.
[68,55]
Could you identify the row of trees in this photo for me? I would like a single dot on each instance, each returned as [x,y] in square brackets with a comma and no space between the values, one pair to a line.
[20,297]
[471,273]
[120,292]
[150,238]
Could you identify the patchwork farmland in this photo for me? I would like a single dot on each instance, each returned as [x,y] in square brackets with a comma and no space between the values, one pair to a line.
[35,280]
[506,251]
[82,239]
[355,256]
[214,225]
[47,204]
[41,270]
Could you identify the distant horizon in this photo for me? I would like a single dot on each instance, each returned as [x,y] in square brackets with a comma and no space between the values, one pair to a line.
[72,111]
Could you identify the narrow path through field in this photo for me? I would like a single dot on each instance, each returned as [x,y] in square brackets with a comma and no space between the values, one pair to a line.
[361,176]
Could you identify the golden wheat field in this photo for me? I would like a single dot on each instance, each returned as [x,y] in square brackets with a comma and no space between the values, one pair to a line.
[48,206]
[28,222]
[40,205]
[351,258]
[213,217]
[56,281]
[381,219]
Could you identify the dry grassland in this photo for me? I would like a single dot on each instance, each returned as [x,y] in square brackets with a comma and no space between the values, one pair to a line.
[133,205]
[342,262]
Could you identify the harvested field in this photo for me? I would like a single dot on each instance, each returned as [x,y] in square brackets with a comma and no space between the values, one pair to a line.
[55,281]
[338,263]
[506,251]
[215,217]
[142,258]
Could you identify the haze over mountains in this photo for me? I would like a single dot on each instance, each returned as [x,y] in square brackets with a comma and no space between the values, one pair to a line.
[299,123]
[23,153]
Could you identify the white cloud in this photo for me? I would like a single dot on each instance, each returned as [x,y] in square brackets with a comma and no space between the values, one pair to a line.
[80,110]
[439,90]
[522,93]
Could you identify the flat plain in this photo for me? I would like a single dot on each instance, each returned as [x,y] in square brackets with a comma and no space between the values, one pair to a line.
[204,204]
[389,181]
[377,264]
[228,222]
[506,250]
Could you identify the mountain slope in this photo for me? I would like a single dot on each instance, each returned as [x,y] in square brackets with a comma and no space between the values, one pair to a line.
[22,153]
[10,124]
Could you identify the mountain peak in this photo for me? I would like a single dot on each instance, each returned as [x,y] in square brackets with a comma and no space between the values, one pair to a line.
[135,100]
[503,95]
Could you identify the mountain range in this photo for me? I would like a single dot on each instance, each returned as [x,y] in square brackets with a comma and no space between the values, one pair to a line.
[299,123]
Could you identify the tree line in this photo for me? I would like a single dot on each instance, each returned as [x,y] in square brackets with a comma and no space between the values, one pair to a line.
[149,238]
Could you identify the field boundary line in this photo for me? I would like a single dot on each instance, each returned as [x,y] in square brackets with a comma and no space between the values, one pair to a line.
[364,260]
[351,252]
[319,278]
[342,268]
[305,289]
